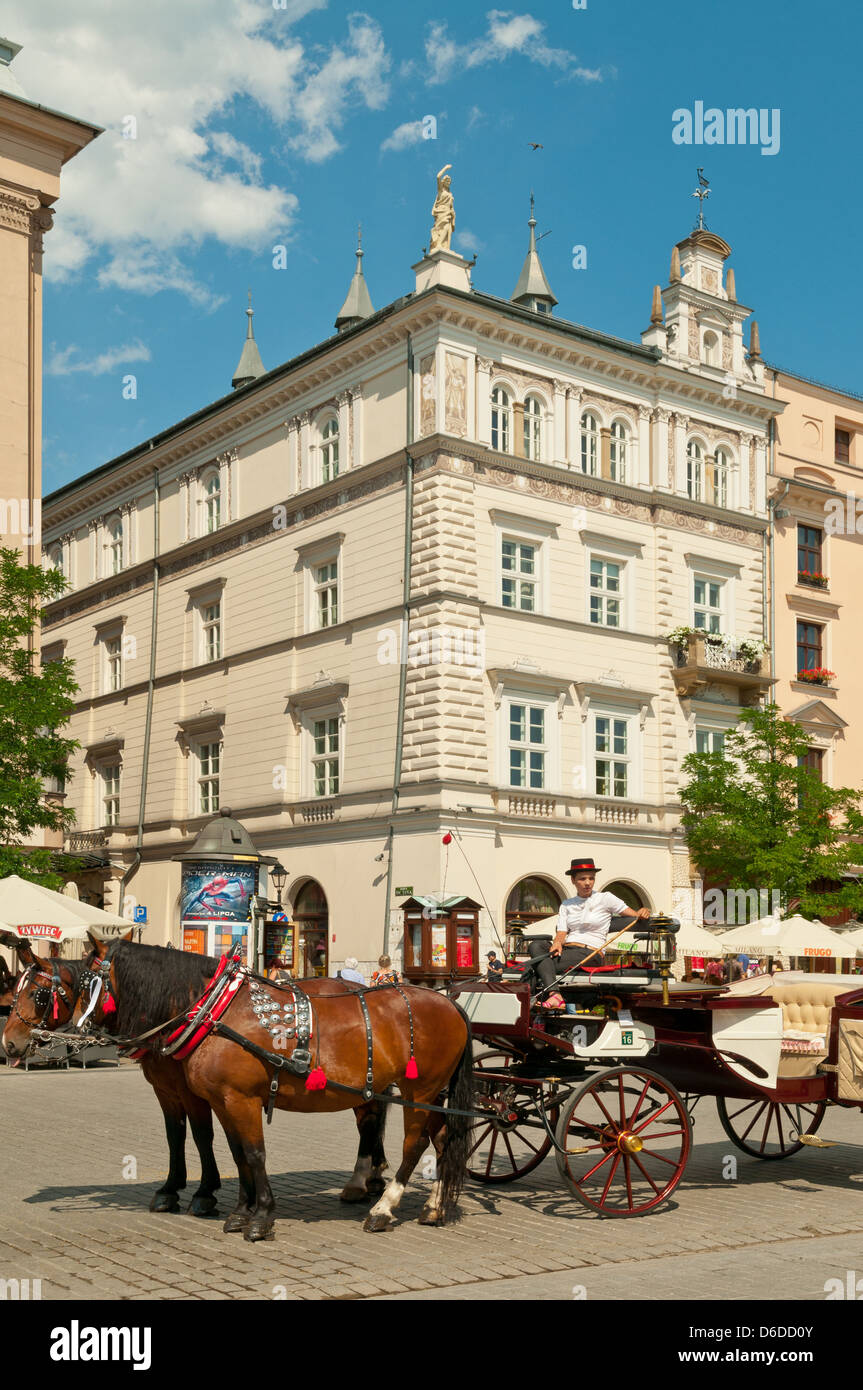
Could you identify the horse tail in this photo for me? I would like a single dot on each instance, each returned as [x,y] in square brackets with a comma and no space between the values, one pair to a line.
[453,1160]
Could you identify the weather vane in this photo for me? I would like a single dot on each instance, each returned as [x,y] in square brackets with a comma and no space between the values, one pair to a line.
[701,192]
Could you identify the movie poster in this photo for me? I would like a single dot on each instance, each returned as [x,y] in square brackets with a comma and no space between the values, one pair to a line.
[218,891]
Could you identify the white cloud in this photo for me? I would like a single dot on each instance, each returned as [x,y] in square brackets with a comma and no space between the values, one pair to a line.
[467,241]
[507,34]
[68,360]
[178,69]
[410,133]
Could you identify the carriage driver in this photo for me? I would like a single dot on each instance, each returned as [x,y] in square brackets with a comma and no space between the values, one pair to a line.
[582,926]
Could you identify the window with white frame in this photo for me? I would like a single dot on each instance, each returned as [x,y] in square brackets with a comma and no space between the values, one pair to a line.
[612,755]
[325,592]
[501,420]
[211,629]
[618,451]
[711,349]
[55,559]
[325,743]
[330,449]
[707,602]
[114,546]
[709,740]
[212,503]
[606,591]
[109,775]
[532,428]
[527,743]
[721,469]
[519,574]
[589,443]
[208,771]
[113,663]
[695,470]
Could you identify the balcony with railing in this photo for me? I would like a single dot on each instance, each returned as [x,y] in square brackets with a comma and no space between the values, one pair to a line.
[700,662]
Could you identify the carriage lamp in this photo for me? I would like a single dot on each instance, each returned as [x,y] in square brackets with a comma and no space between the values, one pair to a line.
[278,874]
[663,947]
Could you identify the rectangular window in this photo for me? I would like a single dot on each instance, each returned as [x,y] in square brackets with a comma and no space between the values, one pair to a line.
[111,794]
[209,772]
[519,582]
[707,604]
[813,760]
[605,592]
[211,631]
[527,746]
[326,595]
[113,664]
[809,542]
[809,639]
[325,756]
[710,741]
[842,452]
[611,749]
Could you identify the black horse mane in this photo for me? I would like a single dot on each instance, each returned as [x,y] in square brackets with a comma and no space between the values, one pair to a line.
[153,985]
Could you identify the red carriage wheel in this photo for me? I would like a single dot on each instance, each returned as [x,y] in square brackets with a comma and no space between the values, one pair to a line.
[510,1140]
[766,1128]
[624,1140]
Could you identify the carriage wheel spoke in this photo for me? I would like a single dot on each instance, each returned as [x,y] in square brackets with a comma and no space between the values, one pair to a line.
[638,1103]
[595,1169]
[610,1179]
[779,1127]
[622,1102]
[490,1152]
[524,1139]
[672,1162]
[654,1116]
[479,1140]
[628,1174]
[598,1098]
[645,1174]
[754,1122]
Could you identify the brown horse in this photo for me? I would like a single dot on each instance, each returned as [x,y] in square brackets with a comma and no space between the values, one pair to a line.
[150,986]
[33,1006]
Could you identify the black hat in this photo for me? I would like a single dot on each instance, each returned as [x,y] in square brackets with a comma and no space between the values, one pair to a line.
[582,866]
[490,955]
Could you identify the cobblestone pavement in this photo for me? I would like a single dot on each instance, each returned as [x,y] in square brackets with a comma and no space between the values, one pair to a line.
[70,1218]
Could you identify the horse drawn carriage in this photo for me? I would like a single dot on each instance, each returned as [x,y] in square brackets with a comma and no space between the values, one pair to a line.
[611,1084]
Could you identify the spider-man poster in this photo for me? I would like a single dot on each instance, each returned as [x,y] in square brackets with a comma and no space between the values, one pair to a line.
[223,891]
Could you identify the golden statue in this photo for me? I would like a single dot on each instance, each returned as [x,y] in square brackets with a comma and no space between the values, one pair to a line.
[443,213]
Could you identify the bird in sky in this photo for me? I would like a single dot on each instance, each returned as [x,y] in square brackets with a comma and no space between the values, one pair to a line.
[705,183]
[535,147]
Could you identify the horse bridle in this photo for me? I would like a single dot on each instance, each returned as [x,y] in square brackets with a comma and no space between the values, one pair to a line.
[97,974]
[56,989]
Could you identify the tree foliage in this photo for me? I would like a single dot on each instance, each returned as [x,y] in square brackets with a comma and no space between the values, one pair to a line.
[756,818]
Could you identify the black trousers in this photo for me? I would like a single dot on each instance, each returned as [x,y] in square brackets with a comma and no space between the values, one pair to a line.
[552,966]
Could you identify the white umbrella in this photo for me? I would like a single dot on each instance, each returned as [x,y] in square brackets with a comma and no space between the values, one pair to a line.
[690,940]
[795,936]
[33,913]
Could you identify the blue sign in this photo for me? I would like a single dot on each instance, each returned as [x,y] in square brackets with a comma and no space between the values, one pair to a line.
[140,914]
[280,916]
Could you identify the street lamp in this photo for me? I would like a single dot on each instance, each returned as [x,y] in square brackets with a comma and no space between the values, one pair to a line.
[278,874]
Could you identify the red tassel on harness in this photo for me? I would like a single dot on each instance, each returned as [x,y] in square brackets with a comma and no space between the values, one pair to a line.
[316,1080]
[109,1007]
[411,1072]
[56,1004]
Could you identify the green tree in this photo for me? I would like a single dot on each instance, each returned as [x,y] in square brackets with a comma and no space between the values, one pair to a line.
[35,704]
[755,818]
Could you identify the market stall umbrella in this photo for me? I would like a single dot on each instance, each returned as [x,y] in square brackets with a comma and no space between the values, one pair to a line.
[29,912]
[795,936]
[856,939]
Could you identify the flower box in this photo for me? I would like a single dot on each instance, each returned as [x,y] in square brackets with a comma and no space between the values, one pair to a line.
[812,578]
[817,675]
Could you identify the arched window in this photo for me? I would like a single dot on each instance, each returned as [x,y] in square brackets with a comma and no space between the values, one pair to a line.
[711,349]
[212,503]
[330,450]
[619,448]
[55,558]
[532,428]
[695,470]
[501,412]
[589,443]
[114,545]
[720,478]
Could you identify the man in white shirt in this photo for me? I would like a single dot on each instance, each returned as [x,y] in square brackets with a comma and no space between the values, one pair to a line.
[582,926]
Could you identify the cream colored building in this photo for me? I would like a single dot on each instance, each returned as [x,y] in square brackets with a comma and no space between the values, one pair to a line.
[558,501]
[815,492]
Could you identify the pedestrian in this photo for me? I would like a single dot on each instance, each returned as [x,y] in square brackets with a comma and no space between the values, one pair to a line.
[715,973]
[349,971]
[384,975]
[494,969]
[279,970]
[735,969]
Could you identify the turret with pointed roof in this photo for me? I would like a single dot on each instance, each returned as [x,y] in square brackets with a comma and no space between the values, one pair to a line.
[533,290]
[250,366]
[358,304]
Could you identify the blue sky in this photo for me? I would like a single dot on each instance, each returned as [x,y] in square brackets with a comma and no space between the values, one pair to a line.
[259,126]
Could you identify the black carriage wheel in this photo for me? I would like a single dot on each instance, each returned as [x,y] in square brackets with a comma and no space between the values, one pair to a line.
[501,1149]
[624,1140]
[766,1128]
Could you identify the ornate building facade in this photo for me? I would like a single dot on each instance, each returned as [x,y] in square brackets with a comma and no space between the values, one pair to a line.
[403,605]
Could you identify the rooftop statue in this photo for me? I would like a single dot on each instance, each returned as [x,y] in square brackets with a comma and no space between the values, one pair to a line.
[443,213]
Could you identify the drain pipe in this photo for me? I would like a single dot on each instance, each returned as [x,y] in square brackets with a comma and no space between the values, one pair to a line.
[403,653]
[151,683]
[772,513]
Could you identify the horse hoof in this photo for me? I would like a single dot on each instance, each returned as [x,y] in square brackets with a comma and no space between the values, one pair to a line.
[165,1202]
[237,1221]
[203,1206]
[353,1194]
[375,1187]
[259,1230]
[430,1217]
[378,1223]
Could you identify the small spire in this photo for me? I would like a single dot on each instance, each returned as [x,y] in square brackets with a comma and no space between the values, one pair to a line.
[358,303]
[730,287]
[675,264]
[533,290]
[250,366]
[754,343]
[656,309]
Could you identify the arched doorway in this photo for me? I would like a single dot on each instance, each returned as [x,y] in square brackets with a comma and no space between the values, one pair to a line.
[531,900]
[634,899]
[312,917]
[627,893]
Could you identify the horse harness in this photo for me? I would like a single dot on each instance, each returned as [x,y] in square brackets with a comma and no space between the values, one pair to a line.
[45,997]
